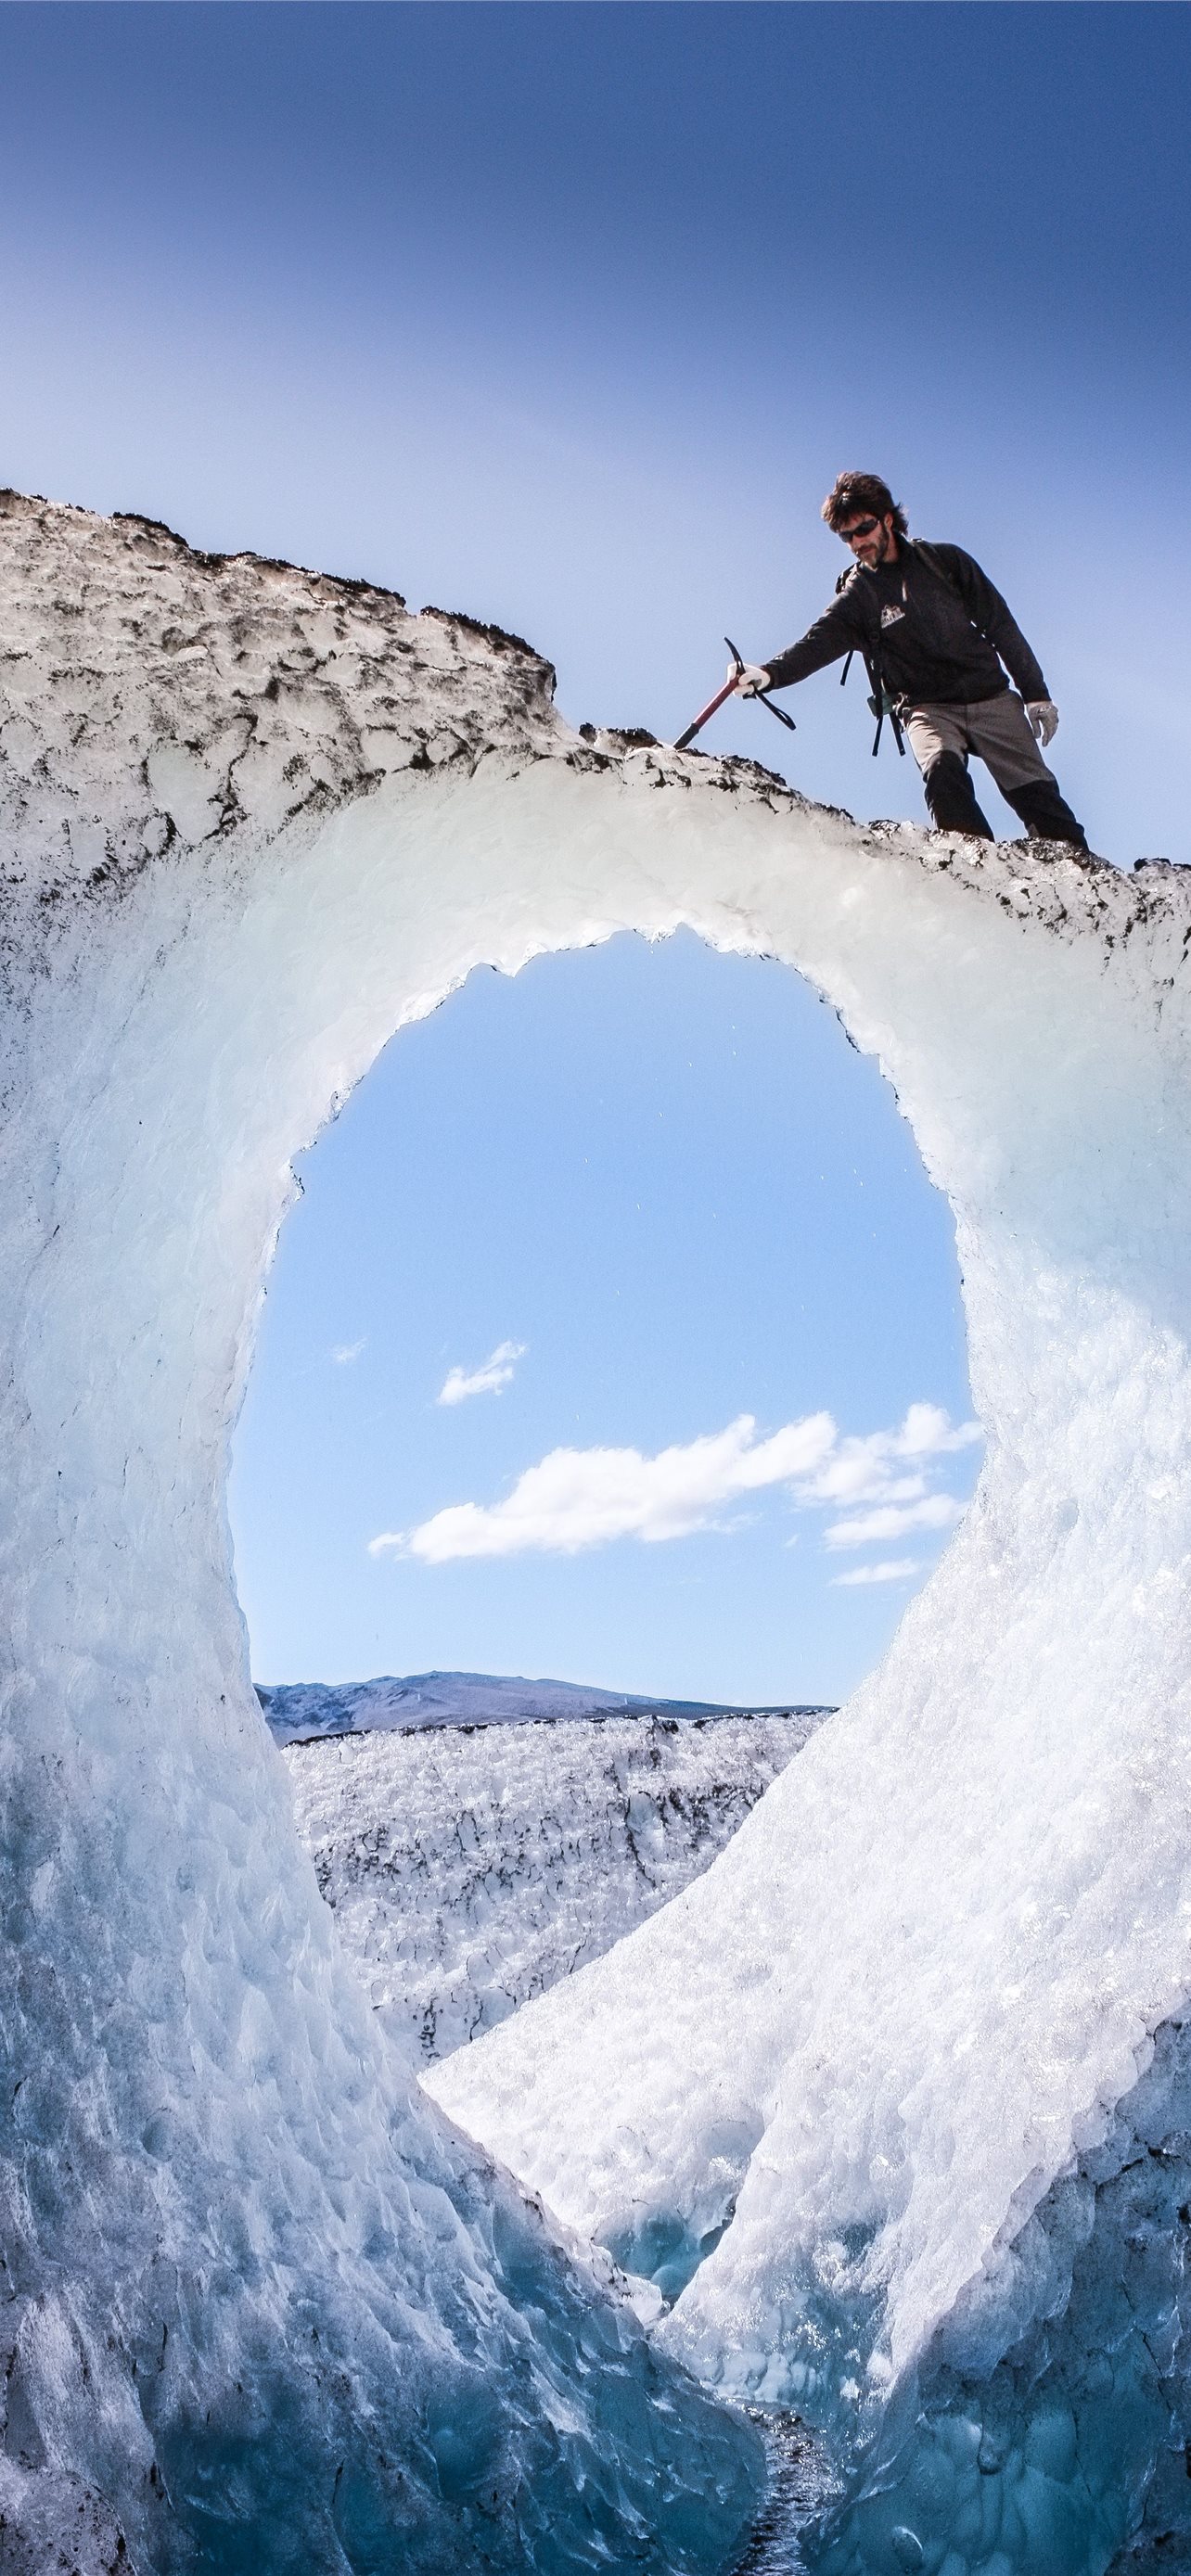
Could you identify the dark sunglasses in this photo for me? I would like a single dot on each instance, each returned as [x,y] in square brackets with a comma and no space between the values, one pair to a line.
[863,528]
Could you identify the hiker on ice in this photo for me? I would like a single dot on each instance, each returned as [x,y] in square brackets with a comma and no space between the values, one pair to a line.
[934,635]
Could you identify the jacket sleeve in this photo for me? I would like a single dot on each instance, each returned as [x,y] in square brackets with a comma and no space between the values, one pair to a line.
[993,619]
[839,630]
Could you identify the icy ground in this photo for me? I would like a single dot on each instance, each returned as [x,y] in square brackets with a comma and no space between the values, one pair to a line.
[469,1871]
[906,2064]
[800,2490]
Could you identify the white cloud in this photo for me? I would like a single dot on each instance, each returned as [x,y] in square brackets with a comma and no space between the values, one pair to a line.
[581,1498]
[892,1520]
[891,1569]
[492,1374]
[345,1352]
[927,1430]
[865,1470]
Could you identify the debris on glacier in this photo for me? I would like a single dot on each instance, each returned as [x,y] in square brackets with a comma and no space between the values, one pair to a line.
[903,2065]
[470,1870]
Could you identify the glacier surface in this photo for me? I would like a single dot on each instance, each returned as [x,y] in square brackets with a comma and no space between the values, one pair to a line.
[908,2057]
[468,1871]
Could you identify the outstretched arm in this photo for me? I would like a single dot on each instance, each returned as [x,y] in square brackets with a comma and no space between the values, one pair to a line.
[838,631]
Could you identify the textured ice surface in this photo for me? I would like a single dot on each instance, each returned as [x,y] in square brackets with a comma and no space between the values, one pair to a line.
[261,2303]
[299,1710]
[1072,2452]
[469,1871]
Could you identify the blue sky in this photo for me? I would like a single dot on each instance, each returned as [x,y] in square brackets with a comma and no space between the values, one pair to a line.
[567,315]
[667,1177]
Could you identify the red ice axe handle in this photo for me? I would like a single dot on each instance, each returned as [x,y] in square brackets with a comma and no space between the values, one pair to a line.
[728,690]
[705,714]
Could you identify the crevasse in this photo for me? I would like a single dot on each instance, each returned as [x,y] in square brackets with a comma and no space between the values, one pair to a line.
[892,2061]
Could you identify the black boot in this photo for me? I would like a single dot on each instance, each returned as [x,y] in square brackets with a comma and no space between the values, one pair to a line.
[1047,815]
[952,797]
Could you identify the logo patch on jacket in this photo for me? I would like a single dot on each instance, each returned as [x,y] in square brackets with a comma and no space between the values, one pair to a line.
[890,615]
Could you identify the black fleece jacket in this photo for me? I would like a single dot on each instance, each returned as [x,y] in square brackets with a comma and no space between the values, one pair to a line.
[933,635]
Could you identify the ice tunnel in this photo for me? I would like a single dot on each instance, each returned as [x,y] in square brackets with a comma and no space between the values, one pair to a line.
[905,2069]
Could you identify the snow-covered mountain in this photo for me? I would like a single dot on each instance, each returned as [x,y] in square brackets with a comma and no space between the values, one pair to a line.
[297,1711]
[469,1871]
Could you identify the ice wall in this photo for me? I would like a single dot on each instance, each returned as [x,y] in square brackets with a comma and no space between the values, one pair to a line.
[262,2303]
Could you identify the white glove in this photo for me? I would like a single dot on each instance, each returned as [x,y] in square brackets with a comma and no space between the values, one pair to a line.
[1044,717]
[751,680]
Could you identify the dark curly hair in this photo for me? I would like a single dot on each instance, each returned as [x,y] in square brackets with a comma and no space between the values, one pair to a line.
[853,493]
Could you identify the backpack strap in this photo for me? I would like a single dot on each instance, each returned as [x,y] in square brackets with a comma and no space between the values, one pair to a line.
[880,701]
[930,556]
[883,705]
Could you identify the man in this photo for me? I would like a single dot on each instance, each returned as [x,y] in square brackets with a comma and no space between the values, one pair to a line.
[934,635]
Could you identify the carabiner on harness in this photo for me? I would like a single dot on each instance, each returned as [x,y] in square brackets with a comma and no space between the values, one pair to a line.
[880,703]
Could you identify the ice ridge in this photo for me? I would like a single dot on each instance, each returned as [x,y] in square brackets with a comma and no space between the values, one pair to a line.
[467,1875]
[266,2309]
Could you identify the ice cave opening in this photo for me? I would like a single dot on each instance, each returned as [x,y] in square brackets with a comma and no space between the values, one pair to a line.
[269,2305]
[658,1186]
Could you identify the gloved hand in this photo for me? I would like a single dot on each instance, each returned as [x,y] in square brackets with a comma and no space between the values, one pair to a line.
[751,681]
[1044,717]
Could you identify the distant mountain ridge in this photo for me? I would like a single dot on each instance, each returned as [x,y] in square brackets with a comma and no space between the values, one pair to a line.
[304,1711]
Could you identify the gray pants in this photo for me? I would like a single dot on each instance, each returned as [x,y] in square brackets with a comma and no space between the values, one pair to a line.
[998,730]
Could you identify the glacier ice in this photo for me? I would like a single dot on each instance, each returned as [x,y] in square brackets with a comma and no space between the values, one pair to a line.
[469,1871]
[903,2061]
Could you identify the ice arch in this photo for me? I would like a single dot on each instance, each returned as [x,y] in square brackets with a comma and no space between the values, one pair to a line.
[265,2308]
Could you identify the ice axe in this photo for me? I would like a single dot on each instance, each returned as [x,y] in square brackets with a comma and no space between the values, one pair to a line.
[729,690]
